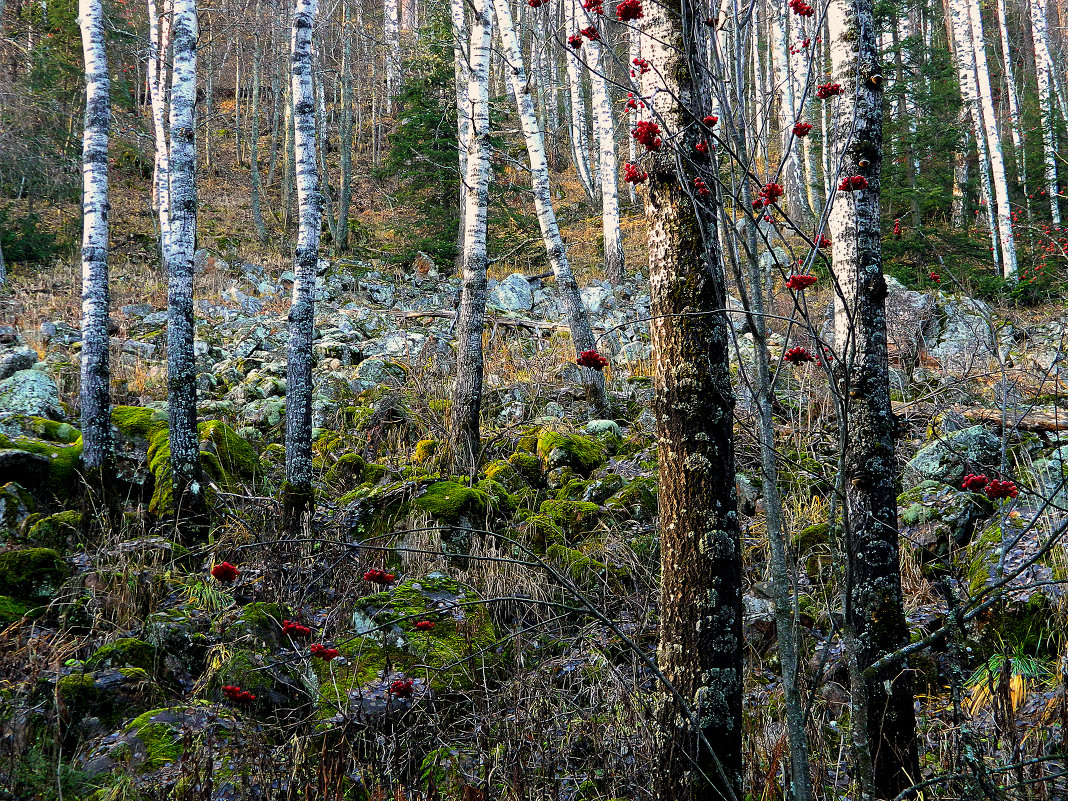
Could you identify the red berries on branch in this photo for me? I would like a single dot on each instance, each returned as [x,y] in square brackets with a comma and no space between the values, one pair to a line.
[800,281]
[801,8]
[823,241]
[594,6]
[376,576]
[648,134]
[798,355]
[294,629]
[225,572]
[425,625]
[629,10]
[768,195]
[402,688]
[974,483]
[802,128]
[537,3]
[998,490]
[701,187]
[235,693]
[633,104]
[701,147]
[632,175]
[591,33]
[897,229]
[322,652]
[825,90]
[711,120]
[575,40]
[642,65]
[935,277]
[853,183]
[591,359]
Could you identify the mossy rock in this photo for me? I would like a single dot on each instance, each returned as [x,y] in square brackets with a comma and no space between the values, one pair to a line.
[16,504]
[425,450]
[583,570]
[64,459]
[601,489]
[60,530]
[581,453]
[280,690]
[32,573]
[448,501]
[505,474]
[12,611]
[125,652]
[539,531]
[179,640]
[106,694]
[258,624]
[42,428]
[811,537]
[351,468]
[528,466]
[501,502]
[371,510]
[236,456]
[635,501]
[573,490]
[573,517]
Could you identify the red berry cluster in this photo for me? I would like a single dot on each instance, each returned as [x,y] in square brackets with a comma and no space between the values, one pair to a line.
[594,6]
[648,134]
[376,576]
[711,120]
[853,183]
[798,355]
[575,40]
[641,65]
[935,277]
[823,241]
[802,128]
[997,490]
[235,693]
[537,3]
[591,359]
[632,175]
[974,483]
[801,8]
[402,688]
[701,187]
[322,652]
[800,281]
[633,104]
[825,90]
[629,10]
[225,572]
[768,195]
[701,147]
[591,33]
[425,625]
[294,629]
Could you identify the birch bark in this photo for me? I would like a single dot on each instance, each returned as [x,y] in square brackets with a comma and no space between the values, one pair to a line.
[391,33]
[464,431]
[793,182]
[580,150]
[94,393]
[1014,102]
[883,724]
[181,364]
[1043,63]
[254,137]
[344,200]
[461,74]
[574,312]
[159,34]
[300,361]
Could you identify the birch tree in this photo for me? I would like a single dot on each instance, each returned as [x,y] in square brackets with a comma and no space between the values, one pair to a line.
[182,205]
[574,312]
[94,393]
[700,648]
[580,151]
[391,34]
[1043,65]
[463,122]
[306,259]
[254,137]
[464,430]
[883,726]
[159,36]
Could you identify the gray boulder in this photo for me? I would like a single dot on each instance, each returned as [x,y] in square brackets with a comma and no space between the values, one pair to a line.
[512,294]
[971,450]
[910,320]
[965,339]
[30,392]
[14,359]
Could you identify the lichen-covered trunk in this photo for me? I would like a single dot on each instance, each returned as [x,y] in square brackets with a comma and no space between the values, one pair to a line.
[883,722]
[574,312]
[1006,239]
[181,363]
[700,648]
[305,261]
[464,430]
[1043,64]
[94,393]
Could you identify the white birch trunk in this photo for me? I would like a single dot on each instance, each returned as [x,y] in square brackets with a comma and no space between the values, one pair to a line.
[793,182]
[580,150]
[181,364]
[1043,64]
[574,312]
[463,110]
[391,33]
[1014,102]
[305,263]
[614,259]
[997,162]
[159,33]
[95,376]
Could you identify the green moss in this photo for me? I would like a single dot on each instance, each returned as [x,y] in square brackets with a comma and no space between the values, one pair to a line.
[55,530]
[64,460]
[43,428]
[583,454]
[162,740]
[500,501]
[528,466]
[125,652]
[425,450]
[808,538]
[439,406]
[572,517]
[636,501]
[11,611]
[539,531]
[78,690]
[351,468]
[448,500]
[32,573]
[581,568]
[261,621]
[236,456]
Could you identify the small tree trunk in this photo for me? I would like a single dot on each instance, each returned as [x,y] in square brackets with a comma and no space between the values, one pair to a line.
[344,199]
[463,120]
[298,500]
[181,363]
[464,433]
[254,139]
[391,33]
[158,45]
[580,150]
[94,395]
[884,729]
[1043,64]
